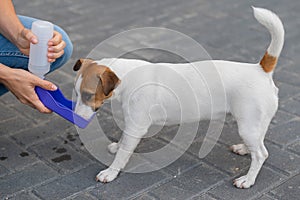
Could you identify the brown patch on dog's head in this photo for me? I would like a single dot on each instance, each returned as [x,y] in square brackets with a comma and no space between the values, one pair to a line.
[98,82]
[268,62]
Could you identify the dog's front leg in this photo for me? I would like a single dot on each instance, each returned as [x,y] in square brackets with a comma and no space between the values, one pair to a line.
[126,148]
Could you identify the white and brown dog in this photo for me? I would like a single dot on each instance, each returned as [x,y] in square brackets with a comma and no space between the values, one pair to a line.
[252,98]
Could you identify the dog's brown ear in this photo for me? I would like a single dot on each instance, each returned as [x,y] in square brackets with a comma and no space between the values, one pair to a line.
[79,63]
[109,81]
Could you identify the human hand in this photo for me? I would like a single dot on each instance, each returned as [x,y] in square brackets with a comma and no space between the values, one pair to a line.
[22,83]
[55,46]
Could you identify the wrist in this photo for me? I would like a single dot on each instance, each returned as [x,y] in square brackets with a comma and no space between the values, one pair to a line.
[16,37]
[5,73]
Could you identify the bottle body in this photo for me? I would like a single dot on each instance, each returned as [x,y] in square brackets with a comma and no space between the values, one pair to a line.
[38,61]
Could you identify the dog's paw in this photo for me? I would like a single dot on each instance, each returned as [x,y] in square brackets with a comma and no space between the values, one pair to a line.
[243,182]
[240,149]
[113,147]
[107,175]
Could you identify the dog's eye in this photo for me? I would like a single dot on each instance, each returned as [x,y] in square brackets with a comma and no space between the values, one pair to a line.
[86,96]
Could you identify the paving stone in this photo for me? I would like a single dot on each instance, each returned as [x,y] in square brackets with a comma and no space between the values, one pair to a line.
[14,157]
[223,159]
[30,176]
[189,184]
[9,99]
[32,114]
[3,170]
[23,196]
[265,179]
[7,113]
[291,106]
[284,134]
[281,117]
[14,125]
[283,160]
[266,197]
[53,128]
[287,77]
[287,91]
[135,183]
[289,189]
[203,197]
[295,147]
[182,164]
[144,197]
[69,184]
[60,156]
[81,196]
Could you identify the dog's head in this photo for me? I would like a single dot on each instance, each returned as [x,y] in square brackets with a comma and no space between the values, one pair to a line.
[94,84]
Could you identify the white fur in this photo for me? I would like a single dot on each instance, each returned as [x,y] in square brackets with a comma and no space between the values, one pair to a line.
[251,95]
[274,25]
[80,108]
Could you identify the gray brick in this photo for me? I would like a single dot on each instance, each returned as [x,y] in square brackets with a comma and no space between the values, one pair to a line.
[9,99]
[284,134]
[186,185]
[81,196]
[291,106]
[30,176]
[135,184]
[288,77]
[281,117]
[295,147]
[286,91]
[60,156]
[14,157]
[23,196]
[203,197]
[265,179]
[283,160]
[32,114]
[69,184]
[14,125]
[266,197]
[7,112]
[289,189]
[3,171]
[55,127]
[223,159]
[144,197]
[182,164]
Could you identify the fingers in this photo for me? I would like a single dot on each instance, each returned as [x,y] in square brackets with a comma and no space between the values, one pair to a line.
[56,47]
[40,107]
[47,85]
[56,39]
[26,33]
[34,102]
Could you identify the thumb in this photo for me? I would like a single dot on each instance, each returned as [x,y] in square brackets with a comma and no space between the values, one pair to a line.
[28,35]
[47,85]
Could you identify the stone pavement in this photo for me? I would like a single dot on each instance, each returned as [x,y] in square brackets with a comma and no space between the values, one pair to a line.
[42,157]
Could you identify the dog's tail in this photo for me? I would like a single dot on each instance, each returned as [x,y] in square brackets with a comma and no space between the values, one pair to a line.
[274,25]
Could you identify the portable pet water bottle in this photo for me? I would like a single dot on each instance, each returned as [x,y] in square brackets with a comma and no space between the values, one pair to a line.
[39,65]
[38,60]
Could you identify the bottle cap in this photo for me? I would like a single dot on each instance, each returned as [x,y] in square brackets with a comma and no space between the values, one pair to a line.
[42,29]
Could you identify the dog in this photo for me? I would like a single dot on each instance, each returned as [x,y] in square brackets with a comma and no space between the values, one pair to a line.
[251,98]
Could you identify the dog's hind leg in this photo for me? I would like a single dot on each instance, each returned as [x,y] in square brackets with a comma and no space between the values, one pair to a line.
[240,149]
[253,132]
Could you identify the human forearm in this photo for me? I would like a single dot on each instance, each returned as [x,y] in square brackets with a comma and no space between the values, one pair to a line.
[10,25]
